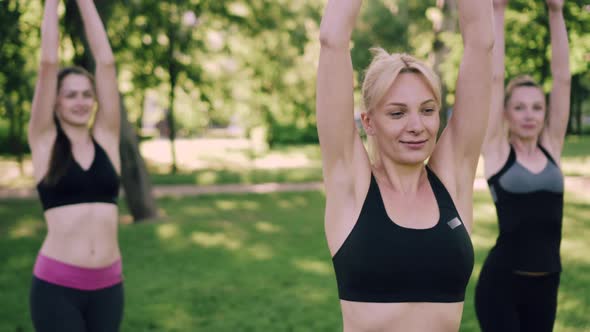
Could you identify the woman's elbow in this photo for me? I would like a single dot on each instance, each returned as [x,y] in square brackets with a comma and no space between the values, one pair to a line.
[334,35]
[49,60]
[564,79]
[332,40]
[106,59]
[482,42]
[498,76]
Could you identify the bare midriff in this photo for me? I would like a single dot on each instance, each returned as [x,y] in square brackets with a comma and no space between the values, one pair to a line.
[83,234]
[401,317]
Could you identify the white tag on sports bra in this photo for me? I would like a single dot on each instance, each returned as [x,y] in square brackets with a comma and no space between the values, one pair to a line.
[454,223]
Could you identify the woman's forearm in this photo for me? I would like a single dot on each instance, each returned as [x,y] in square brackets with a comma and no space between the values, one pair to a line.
[95,33]
[50,33]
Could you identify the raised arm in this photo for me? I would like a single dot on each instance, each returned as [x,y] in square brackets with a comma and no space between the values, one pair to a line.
[495,134]
[107,123]
[41,124]
[339,140]
[459,147]
[559,100]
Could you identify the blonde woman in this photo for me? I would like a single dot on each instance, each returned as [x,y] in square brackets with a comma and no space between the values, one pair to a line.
[398,227]
[518,284]
[77,278]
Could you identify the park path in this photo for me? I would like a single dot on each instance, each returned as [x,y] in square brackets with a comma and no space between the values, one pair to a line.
[578,185]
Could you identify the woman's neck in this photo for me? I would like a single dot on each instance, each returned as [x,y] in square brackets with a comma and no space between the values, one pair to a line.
[403,178]
[524,145]
[76,134]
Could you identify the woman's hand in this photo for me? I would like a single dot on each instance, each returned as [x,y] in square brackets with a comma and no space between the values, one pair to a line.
[555,5]
[501,3]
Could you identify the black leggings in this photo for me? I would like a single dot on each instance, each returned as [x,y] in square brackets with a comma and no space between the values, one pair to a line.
[56,308]
[508,302]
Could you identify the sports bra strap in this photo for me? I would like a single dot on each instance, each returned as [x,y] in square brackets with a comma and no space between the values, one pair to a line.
[440,191]
[547,154]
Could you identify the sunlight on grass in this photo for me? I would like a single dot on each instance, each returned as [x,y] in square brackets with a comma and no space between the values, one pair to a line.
[485,212]
[10,174]
[167,231]
[208,177]
[266,227]
[482,241]
[295,202]
[257,265]
[249,205]
[476,270]
[27,227]
[243,205]
[207,161]
[210,240]
[572,313]
[559,327]
[226,205]
[212,161]
[279,160]
[196,210]
[569,303]
[576,166]
[579,214]
[313,266]
[178,319]
[196,153]
[315,295]
[575,250]
[260,252]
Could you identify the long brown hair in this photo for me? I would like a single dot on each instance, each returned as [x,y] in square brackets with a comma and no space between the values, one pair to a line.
[61,154]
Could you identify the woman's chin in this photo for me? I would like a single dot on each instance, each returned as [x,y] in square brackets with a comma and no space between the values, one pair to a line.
[77,122]
[527,136]
[411,160]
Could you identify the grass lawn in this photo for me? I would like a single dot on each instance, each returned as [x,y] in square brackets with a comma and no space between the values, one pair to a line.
[223,161]
[252,263]
[576,156]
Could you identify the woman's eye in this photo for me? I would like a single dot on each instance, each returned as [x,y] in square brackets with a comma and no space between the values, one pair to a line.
[396,114]
[429,110]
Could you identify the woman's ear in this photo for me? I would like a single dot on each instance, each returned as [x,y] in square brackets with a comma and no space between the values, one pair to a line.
[367,123]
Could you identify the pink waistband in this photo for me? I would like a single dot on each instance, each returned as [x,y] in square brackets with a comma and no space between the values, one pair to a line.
[83,278]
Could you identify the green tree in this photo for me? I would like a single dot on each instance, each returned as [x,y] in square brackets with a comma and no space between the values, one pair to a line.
[15,86]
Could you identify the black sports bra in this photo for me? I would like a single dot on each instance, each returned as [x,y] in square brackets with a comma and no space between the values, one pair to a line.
[99,183]
[381,261]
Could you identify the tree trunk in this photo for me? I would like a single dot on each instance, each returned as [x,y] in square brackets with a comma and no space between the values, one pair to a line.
[572,115]
[10,112]
[579,93]
[173,74]
[139,120]
[20,118]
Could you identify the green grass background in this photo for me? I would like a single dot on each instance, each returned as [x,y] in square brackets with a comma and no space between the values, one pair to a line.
[252,262]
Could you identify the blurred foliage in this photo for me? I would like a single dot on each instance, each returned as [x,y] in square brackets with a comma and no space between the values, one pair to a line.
[252,63]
